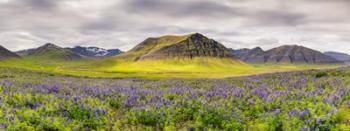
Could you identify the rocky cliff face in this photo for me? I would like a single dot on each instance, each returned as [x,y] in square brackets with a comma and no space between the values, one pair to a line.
[6,54]
[188,46]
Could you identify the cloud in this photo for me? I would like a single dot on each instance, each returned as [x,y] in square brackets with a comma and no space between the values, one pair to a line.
[319,24]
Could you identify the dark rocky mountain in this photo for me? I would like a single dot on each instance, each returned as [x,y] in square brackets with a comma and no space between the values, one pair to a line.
[284,54]
[6,54]
[296,54]
[249,55]
[50,51]
[95,51]
[186,46]
[339,56]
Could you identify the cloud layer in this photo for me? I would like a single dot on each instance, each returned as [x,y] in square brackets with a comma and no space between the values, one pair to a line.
[320,24]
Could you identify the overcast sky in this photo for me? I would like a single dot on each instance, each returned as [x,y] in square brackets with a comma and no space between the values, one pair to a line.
[320,24]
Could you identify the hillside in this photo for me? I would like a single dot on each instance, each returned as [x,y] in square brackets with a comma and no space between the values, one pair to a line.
[297,54]
[50,51]
[292,54]
[6,54]
[186,47]
[95,52]
[250,55]
[339,56]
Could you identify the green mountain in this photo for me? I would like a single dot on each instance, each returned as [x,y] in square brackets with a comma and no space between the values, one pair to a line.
[183,47]
[51,52]
[6,54]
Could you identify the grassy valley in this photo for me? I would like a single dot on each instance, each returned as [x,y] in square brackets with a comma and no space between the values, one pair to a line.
[174,68]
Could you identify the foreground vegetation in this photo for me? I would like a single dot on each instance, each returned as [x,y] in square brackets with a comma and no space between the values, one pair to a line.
[308,100]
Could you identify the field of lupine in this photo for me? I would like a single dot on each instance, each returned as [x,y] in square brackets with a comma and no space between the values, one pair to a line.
[308,100]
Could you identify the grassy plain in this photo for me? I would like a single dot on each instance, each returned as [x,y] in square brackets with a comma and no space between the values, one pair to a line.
[171,68]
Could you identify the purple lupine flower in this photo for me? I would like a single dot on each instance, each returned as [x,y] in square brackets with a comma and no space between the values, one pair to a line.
[11,119]
[3,126]
[302,114]
[251,101]
[318,120]
[292,112]
[20,118]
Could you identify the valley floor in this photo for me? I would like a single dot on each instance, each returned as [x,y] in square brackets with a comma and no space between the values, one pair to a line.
[196,68]
[299,100]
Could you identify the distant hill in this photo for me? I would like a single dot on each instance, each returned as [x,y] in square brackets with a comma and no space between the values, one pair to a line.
[185,46]
[249,55]
[6,54]
[95,51]
[286,54]
[50,51]
[339,56]
[297,54]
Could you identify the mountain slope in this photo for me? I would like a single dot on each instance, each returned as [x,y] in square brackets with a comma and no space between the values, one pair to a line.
[186,46]
[50,51]
[249,55]
[339,56]
[297,54]
[95,51]
[6,54]
[284,54]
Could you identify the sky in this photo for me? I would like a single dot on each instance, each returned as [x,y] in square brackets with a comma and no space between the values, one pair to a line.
[323,25]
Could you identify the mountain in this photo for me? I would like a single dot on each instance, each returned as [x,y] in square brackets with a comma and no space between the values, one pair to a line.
[50,51]
[284,54]
[95,51]
[339,56]
[296,54]
[170,46]
[24,52]
[249,55]
[6,54]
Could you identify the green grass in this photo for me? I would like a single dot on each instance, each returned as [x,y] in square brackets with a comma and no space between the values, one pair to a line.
[171,68]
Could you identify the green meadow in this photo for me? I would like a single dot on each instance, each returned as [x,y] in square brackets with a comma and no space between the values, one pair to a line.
[169,68]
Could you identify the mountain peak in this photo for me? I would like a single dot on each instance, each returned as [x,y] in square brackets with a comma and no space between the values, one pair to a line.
[257,49]
[5,53]
[284,54]
[51,51]
[297,54]
[95,52]
[291,46]
[178,46]
[196,35]
[50,45]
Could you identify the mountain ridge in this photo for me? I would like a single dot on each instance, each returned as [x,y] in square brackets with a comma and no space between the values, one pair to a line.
[288,54]
[6,54]
[339,56]
[95,52]
[50,51]
[182,46]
